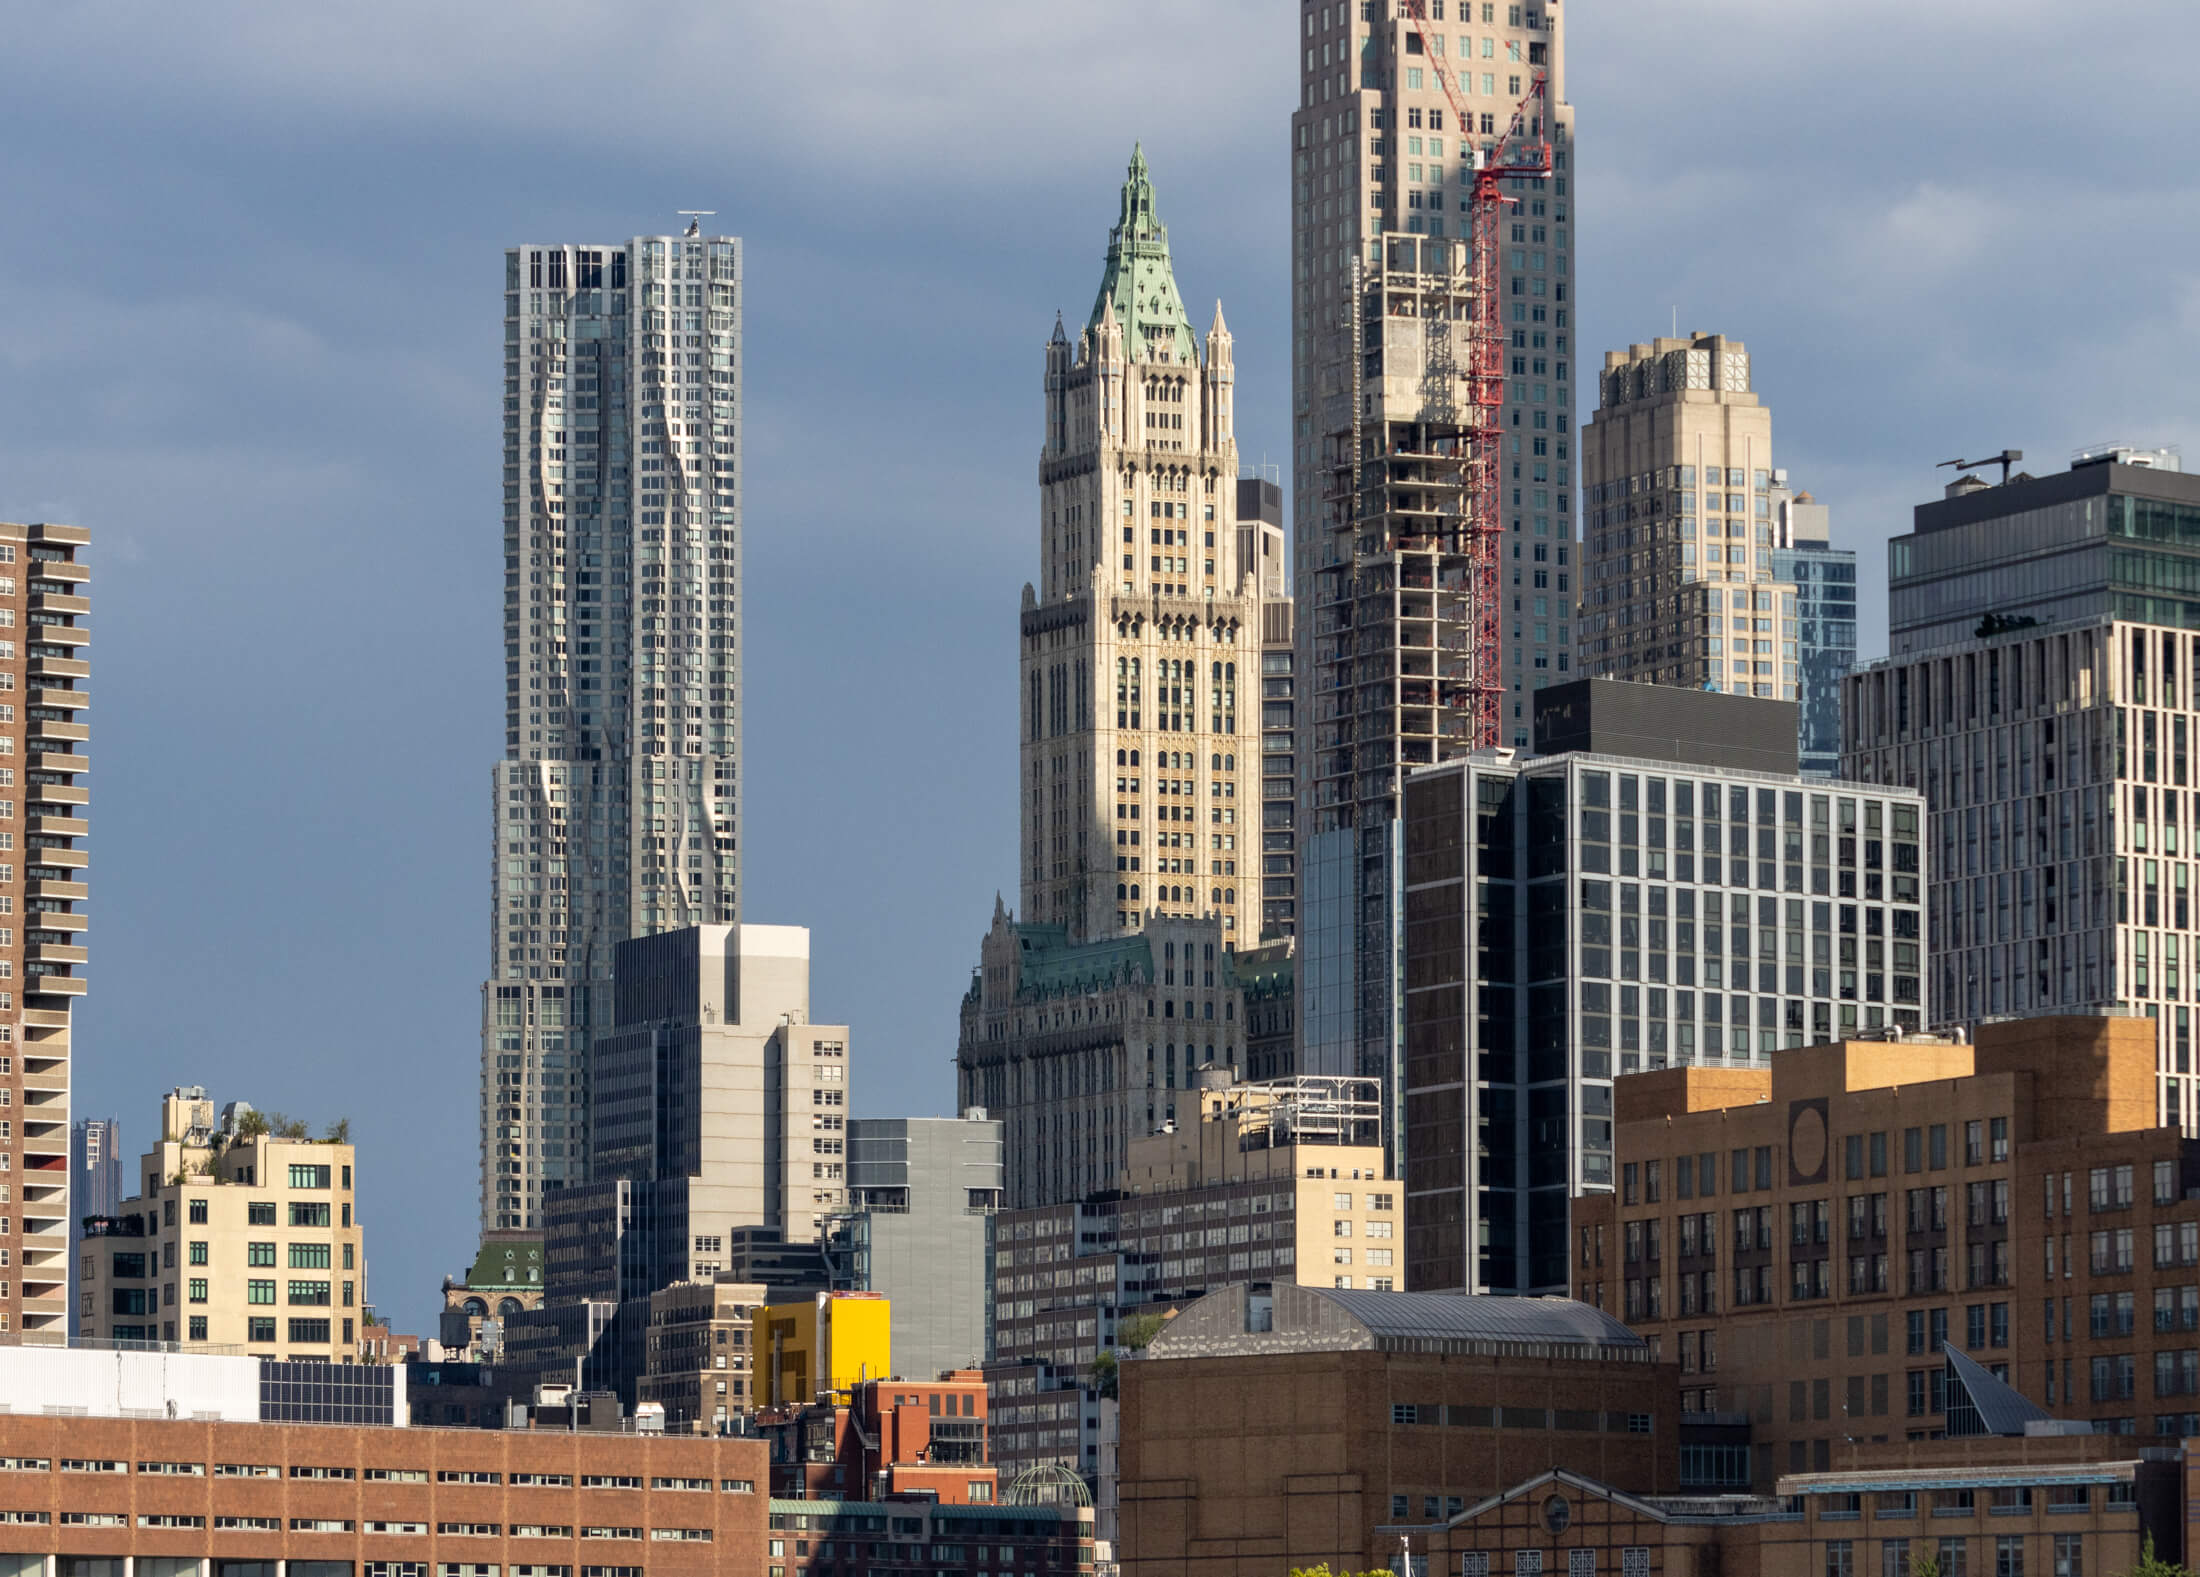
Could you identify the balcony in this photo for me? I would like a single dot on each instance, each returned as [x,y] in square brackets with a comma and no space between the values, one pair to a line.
[53,986]
[59,635]
[53,728]
[67,892]
[43,601]
[55,760]
[51,953]
[64,700]
[72,858]
[60,571]
[59,827]
[60,668]
[57,794]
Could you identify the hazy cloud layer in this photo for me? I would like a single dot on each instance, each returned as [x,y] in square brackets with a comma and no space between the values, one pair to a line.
[255,256]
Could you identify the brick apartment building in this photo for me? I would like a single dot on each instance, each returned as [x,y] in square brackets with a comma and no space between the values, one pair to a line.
[1803,1238]
[173,1493]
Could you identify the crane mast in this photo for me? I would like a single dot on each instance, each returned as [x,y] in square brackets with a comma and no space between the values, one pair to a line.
[1523,152]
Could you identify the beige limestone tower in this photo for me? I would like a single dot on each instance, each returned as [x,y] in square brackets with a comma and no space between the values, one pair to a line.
[1141,643]
[1677,484]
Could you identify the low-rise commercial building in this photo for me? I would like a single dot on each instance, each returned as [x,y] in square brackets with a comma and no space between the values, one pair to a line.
[173,1494]
[891,1439]
[239,1237]
[833,1538]
[1272,1426]
[1804,1238]
[2044,1506]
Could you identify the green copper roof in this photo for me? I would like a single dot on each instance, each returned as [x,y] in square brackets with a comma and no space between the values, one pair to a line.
[1054,965]
[1138,279]
[507,1259]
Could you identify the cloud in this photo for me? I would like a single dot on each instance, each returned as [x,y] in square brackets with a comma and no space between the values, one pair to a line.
[846,90]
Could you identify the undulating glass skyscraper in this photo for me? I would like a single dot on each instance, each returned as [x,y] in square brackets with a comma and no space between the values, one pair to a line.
[615,805]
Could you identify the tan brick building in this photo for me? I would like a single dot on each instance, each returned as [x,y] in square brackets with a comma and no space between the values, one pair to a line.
[1803,1238]
[1278,1426]
[187,1498]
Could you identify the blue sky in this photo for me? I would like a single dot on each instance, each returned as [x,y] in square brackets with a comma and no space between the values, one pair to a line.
[255,251]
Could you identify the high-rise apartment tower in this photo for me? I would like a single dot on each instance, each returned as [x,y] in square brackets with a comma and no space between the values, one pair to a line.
[1142,642]
[42,588]
[1677,536]
[1824,578]
[615,807]
[1383,282]
[2041,694]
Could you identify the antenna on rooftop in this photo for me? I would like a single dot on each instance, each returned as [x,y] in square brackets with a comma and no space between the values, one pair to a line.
[695,218]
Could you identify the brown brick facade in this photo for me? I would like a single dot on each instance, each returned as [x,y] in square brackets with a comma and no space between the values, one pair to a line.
[1867,1201]
[110,1487]
[1247,1466]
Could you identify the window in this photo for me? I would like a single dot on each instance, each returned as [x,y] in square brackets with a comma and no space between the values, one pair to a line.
[197,1289]
[259,1292]
[261,1327]
[197,1212]
[310,1332]
[308,1176]
[308,1215]
[197,1255]
[2069,1555]
[2009,1555]
[311,1293]
[260,1213]
[1840,1558]
[309,1256]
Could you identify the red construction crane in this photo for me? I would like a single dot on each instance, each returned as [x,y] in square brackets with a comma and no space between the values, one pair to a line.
[1522,153]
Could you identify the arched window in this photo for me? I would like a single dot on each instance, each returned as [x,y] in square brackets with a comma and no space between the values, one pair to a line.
[1218,764]
[507,1306]
[1120,757]
[1229,895]
[476,1308]
[1229,763]
[1134,758]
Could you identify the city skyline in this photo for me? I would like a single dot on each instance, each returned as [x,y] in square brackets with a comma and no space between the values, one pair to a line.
[311,385]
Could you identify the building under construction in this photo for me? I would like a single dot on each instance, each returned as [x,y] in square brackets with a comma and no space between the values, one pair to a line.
[1432,407]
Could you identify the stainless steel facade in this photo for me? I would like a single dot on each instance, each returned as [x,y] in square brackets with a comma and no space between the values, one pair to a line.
[615,808]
